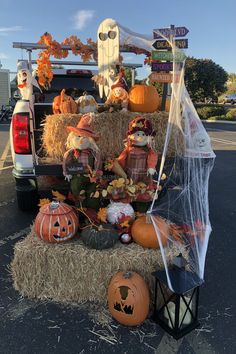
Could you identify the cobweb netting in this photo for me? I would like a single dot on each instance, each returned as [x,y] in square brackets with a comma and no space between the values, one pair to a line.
[183,201]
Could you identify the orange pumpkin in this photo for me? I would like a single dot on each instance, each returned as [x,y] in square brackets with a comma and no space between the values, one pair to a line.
[67,105]
[143,98]
[128,298]
[56,105]
[56,222]
[144,233]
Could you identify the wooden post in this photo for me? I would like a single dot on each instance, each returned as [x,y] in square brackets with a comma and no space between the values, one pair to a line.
[166,86]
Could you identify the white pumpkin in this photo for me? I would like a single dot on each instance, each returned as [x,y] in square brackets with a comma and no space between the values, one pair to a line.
[116,210]
[87,104]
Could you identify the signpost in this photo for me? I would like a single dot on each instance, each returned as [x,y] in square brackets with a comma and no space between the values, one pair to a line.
[163,44]
[168,56]
[161,70]
[170,31]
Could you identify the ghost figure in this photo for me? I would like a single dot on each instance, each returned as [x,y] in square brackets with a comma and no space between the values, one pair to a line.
[26,80]
[198,145]
[108,52]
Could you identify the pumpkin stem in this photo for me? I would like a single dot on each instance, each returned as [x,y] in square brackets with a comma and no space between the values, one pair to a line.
[127,275]
[81,210]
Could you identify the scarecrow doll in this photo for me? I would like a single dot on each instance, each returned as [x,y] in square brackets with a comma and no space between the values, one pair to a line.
[82,160]
[118,98]
[138,159]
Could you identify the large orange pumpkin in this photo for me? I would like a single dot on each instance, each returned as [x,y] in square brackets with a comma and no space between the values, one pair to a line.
[143,232]
[56,222]
[143,98]
[128,298]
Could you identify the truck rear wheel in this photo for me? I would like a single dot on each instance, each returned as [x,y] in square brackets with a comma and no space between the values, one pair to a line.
[27,200]
[26,194]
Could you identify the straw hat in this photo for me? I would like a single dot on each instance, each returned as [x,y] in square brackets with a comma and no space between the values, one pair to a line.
[83,128]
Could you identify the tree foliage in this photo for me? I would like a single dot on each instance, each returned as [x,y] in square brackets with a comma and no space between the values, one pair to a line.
[204,79]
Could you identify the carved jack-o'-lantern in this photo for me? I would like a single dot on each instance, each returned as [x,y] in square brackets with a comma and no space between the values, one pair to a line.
[128,298]
[56,222]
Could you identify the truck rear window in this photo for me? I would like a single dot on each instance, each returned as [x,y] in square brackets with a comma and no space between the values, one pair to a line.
[74,85]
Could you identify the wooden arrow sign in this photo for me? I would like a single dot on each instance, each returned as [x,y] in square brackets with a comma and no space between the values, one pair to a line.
[167,32]
[162,66]
[168,56]
[162,44]
[161,77]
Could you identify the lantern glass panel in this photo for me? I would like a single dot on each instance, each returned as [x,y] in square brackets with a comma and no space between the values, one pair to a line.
[176,311]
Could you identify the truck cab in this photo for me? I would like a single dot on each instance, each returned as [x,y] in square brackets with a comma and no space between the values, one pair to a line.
[27,128]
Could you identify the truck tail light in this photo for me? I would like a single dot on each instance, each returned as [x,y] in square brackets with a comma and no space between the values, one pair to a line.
[20,133]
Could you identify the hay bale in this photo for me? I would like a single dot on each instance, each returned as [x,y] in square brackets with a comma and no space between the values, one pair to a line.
[72,273]
[112,128]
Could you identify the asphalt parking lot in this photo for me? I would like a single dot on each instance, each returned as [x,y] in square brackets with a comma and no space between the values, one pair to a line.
[35,327]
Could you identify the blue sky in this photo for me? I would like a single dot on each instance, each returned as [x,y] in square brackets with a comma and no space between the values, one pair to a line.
[211,24]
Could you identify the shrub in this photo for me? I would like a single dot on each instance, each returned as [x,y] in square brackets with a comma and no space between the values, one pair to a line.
[217,118]
[231,114]
[206,112]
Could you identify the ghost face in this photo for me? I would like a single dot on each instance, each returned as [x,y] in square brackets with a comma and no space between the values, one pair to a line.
[201,141]
[139,138]
[108,38]
[22,77]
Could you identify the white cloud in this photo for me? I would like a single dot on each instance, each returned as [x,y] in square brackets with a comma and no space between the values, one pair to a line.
[4,31]
[82,18]
[3,56]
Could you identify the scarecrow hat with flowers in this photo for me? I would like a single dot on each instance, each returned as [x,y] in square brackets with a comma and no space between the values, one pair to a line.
[83,128]
[141,124]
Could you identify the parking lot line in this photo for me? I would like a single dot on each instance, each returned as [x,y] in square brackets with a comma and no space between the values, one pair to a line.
[4,155]
[224,141]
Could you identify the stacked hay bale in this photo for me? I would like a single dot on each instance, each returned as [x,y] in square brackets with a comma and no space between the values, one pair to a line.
[71,272]
[112,128]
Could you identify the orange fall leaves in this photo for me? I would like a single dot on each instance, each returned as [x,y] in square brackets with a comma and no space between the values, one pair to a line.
[45,74]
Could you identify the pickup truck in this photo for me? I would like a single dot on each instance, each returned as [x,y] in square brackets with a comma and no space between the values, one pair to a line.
[26,130]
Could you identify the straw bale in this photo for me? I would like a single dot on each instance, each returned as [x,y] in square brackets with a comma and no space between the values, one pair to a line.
[72,273]
[112,128]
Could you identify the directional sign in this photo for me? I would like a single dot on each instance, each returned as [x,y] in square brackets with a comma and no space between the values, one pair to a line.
[168,56]
[162,44]
[161,77]
[167,32]
[162,66]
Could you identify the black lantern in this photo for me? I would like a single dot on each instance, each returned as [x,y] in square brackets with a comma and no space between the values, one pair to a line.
[177,311]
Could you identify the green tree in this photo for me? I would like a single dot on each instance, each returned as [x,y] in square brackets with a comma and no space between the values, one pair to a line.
[204,79]
[128,76]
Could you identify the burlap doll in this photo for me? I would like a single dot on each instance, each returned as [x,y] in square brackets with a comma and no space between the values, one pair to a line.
[82,157]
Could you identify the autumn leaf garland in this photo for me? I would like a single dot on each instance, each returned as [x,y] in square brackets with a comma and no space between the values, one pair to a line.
[54,48]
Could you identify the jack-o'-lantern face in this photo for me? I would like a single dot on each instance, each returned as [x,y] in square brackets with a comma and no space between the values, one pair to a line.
[56,222]
[128,298]
[62,229]
[124,300]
